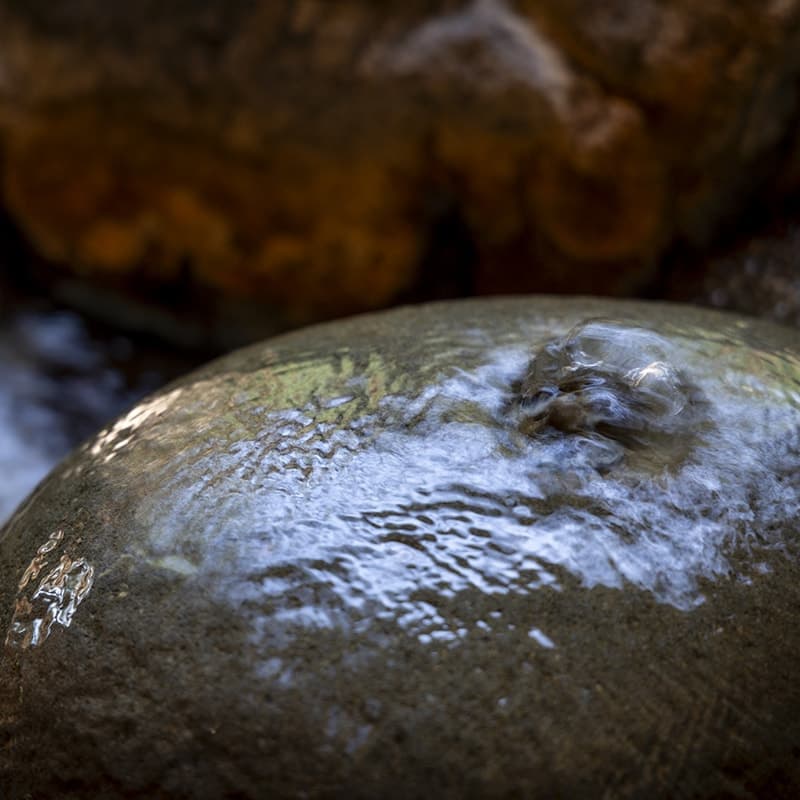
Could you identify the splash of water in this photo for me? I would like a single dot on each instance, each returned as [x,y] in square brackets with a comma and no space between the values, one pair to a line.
[55,599]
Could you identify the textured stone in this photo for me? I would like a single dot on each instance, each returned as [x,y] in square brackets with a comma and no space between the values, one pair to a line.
[311,154]
[355,561]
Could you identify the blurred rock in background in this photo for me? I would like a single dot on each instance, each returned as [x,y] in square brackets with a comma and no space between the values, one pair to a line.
[190,175]
[325,158]
[758,275]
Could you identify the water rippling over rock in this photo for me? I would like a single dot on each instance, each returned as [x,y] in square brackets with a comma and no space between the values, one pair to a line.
[520,547]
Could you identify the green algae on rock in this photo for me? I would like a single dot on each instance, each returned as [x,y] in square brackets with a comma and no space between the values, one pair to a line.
[346,563]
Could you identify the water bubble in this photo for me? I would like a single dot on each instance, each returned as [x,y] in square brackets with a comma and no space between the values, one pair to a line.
[609,382]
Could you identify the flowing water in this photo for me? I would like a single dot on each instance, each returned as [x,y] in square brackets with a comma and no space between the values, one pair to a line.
[623,454]
[639,467]
[59,383]
[56,387]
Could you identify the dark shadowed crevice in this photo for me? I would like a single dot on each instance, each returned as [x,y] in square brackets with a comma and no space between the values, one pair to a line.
[449,259]
[19,264]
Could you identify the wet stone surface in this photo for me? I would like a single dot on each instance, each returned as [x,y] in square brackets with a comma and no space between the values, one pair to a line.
[493,548]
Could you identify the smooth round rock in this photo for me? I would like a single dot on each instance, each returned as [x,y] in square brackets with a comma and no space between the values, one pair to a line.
[496,548]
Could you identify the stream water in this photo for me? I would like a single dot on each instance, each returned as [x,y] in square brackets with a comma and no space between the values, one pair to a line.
[60,380]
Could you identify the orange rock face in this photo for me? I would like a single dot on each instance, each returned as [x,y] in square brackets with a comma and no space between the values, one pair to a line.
[306,153]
